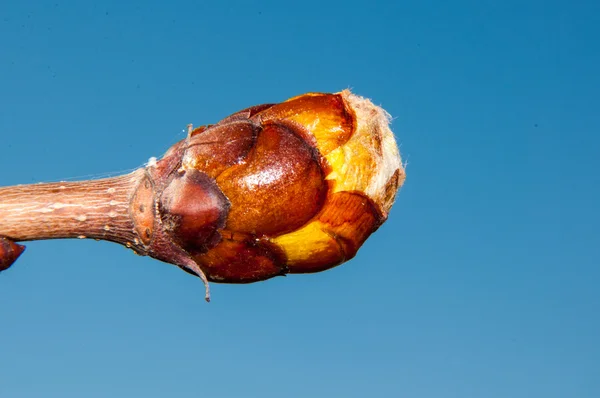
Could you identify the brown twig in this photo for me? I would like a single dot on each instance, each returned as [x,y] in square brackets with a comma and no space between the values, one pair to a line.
[97,209]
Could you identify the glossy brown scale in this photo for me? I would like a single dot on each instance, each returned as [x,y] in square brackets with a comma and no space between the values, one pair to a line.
[278,187]
[214,149]
[193,209]
[242,258]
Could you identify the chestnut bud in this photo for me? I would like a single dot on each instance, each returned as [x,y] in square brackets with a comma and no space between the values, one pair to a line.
[294,187]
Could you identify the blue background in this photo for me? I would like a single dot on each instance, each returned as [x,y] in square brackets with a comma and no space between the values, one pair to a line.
[483,283]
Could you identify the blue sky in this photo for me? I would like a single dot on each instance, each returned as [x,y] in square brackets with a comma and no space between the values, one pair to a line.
[483,282]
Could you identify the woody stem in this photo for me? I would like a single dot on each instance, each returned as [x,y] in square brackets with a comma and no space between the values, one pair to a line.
[98,209]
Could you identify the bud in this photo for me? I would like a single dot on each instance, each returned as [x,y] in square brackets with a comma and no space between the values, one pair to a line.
[9,252]
[294,187]
[297,187]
